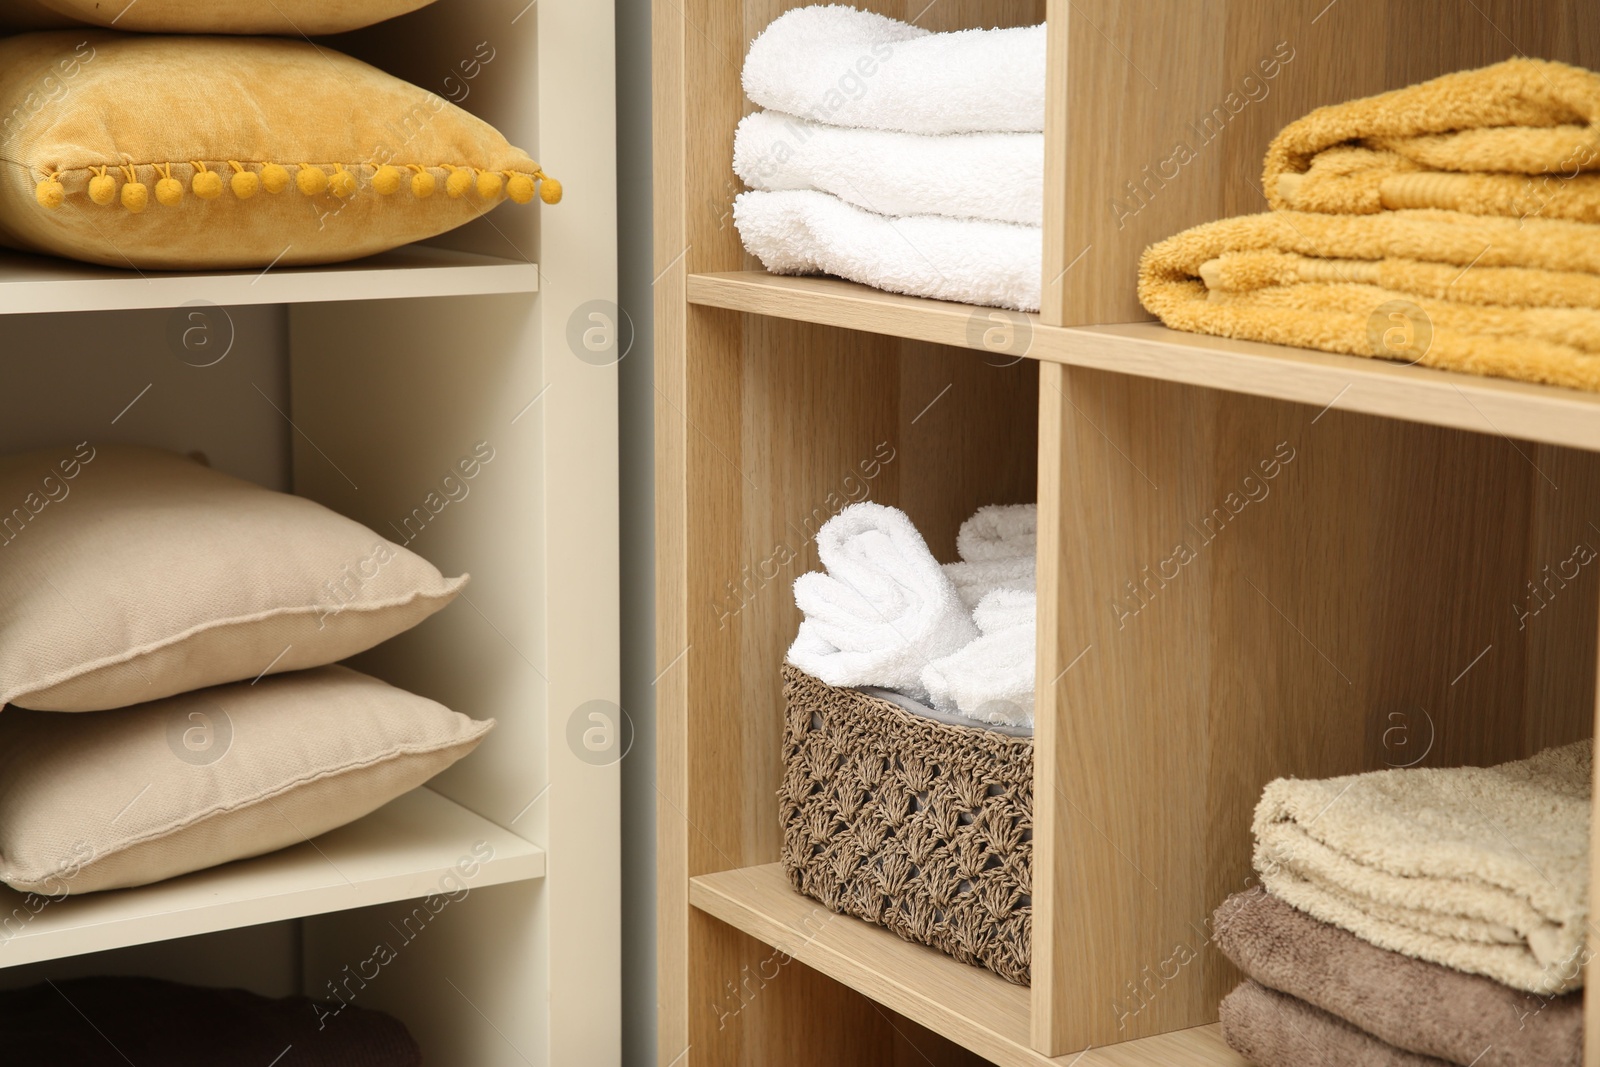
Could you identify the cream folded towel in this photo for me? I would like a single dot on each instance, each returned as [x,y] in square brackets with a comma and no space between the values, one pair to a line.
[838,65]
[1484,869]
[997,176]
[991,679]
[999,531]
[883,610]
[973,261]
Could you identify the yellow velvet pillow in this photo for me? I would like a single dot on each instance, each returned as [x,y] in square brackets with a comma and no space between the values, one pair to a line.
[213,152]
[292,17]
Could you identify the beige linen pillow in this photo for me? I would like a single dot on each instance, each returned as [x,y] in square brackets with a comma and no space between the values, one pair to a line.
[136,795]
[129,574]
[296,18]
[195,153]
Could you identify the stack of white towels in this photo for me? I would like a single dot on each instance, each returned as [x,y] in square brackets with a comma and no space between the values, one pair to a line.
[895,157]
[886,614]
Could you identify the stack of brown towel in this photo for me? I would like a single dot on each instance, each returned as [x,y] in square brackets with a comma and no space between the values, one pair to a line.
[1416,918]
[1453,224]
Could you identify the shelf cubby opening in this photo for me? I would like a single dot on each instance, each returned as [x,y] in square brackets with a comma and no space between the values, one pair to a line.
[1245,589]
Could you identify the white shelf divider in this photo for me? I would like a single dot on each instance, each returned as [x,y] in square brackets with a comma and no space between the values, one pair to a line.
[39,284]
[399,852]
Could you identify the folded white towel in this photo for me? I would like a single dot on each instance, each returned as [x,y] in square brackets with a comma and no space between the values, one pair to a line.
[977,579]
[999,531]
[991,679]
[1483,869]
[973,261]
[838,65]
[883,610]
[996,176]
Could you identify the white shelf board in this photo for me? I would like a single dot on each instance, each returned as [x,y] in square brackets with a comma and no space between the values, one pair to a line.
[398,852]
[37,284]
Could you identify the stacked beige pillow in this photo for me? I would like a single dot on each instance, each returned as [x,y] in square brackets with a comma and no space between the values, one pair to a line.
[165,639]
[191,147]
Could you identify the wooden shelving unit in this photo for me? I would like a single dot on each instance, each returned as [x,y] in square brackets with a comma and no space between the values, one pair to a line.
[362,385]
[1377,578]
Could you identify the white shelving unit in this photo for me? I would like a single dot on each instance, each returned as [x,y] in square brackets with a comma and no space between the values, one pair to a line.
[360,385]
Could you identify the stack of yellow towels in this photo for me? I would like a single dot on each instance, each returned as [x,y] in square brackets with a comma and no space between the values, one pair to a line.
[1451,224]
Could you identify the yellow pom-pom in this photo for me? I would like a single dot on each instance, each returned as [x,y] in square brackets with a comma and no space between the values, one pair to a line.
[343,184]
[311,180]
[458,183]
[103,189]
[550,191]
[244,184]
[490,184]
[135,197]
[50,193]
[208,185]
[169,192]
[386,182]
[423,184]
[520,188]
[274,177]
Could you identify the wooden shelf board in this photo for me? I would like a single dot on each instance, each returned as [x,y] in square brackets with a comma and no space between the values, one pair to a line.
[1347,383]
[967,1005]
[1149,350]
[36,284]
[834,302]
[399,852]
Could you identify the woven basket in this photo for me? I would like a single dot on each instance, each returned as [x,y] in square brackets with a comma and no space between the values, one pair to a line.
[909,823]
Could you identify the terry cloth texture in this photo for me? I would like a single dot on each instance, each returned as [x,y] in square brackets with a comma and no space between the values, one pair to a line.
[991,679]
[1504,297]
[1273,1030]
[974,261]
[1409,1003]
[997,176]
[883,610]
[1514,138]
[111,1022]
[1483,869]
[834,64]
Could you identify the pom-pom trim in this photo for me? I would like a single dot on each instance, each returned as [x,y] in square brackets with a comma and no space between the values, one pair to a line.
[339,180]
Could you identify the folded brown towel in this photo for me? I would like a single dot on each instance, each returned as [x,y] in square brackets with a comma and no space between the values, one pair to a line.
[1418,1006]
[1508,139]
[111,1022]
[1272,1029]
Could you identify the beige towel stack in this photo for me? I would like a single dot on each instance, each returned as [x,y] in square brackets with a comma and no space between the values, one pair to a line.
[1451,224]
[1424,916]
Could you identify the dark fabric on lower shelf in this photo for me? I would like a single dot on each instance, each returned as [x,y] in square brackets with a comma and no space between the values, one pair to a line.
[1413,1004]
[111,1022]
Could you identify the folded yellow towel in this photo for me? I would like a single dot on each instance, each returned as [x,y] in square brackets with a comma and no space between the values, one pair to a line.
[1515,138]
[1504,297]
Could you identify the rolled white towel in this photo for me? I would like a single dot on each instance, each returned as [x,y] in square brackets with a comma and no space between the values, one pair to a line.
[835,64]
[976,579]
[883,610]
[991,679]
[997,176]
[974,261]
[999,531]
